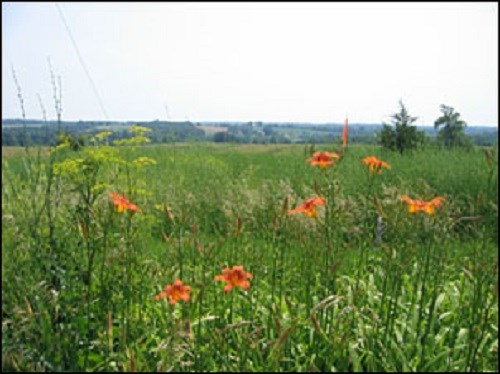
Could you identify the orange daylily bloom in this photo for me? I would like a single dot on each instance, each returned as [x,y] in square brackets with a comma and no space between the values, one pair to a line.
[308,208]
[235,277]
[323,159]
[428,207]
[375,165]
[133,208]
[160,296]
[122,204]
[175,292]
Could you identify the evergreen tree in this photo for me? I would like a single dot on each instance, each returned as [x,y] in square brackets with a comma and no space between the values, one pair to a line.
[404,136]
[388,137]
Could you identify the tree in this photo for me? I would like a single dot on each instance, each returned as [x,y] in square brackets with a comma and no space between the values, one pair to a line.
[388,137]
[224,137]
[452,131]
[404,136]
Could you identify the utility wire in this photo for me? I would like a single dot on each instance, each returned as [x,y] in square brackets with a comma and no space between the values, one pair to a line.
[80,58]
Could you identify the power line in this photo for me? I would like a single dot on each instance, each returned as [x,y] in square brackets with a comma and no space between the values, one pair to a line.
[80,58]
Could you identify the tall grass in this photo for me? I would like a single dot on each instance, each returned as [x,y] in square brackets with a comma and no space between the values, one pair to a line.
[327,294]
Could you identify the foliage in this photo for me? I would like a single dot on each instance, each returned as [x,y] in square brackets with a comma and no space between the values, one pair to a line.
[132,283]
[452,132]
[223,137]
[75,143]
[404,136]
[44,132]
[387,137]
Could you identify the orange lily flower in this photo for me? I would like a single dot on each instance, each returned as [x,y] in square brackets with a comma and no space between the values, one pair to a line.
[323,159]
[308,208]
[375,165]
[122,204]
[175,292]
[415,206]
[235,277]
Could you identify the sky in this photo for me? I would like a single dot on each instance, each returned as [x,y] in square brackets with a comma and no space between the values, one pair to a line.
[271,62]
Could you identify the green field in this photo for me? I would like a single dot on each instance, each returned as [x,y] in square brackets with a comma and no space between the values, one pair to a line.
[364,286]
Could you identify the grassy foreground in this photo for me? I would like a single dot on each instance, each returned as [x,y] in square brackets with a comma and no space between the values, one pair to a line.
[364,285]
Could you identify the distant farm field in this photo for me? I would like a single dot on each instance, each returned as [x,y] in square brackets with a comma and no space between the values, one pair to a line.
[212,129]
[222,257]
[17,151]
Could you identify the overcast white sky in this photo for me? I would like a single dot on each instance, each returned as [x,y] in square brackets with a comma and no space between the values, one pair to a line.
[297,62]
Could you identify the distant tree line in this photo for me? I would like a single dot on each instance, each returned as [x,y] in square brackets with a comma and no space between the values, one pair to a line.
[400,135]
[47,133]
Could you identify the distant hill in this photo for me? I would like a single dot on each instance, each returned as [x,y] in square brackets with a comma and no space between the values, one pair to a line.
[44,132]
[41,132]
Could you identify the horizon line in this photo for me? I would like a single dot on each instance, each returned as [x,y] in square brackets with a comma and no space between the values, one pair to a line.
[227,121]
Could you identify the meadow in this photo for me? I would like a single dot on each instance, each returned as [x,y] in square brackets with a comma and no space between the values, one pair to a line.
[203,257]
